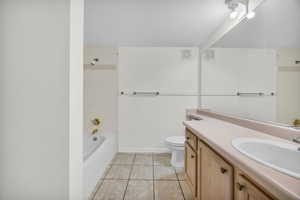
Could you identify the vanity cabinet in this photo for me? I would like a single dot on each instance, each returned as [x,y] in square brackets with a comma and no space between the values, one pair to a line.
[210,177]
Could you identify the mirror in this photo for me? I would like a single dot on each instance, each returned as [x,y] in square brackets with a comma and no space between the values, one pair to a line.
[254,70]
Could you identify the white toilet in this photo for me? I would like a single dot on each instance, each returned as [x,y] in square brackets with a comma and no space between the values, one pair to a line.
[176,145]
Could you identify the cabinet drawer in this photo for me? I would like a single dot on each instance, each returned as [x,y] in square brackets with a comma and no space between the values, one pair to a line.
[191,167]
[191,139]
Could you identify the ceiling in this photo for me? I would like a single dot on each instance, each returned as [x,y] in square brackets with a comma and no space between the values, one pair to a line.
[152,22]
[276,25]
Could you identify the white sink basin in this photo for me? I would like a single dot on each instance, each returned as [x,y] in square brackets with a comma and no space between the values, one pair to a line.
[284,157]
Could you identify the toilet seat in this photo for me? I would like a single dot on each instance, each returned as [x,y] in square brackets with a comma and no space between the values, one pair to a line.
[177,141]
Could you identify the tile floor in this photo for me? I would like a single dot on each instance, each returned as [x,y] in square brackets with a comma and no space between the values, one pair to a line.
[142,177]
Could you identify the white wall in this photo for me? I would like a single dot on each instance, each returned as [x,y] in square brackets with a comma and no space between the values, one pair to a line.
[152,23]
[163,69]
[34,86]
[101,96]
[145,122]
[226,71]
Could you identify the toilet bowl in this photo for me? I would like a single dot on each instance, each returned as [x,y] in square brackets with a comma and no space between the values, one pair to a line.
[176,146]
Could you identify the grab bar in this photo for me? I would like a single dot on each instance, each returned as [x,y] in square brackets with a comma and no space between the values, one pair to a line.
[135,93]
[146,93]
[250,93]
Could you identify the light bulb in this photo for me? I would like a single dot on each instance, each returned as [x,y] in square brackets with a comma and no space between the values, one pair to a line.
[233,14]
[250,15]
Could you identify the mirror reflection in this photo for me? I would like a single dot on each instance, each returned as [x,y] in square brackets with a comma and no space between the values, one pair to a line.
[254,70]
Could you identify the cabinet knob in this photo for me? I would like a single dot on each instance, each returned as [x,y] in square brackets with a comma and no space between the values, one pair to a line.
[187,138]
[192,156]
[223,170]
[240,186]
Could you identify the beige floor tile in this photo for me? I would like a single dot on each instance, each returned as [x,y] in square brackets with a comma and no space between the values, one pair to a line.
[164,173]
[143,159]
[180,175]
[111,190]
[162,159]
[142,172]
[139,190]
[167,190]
[188,195]
[123,159]
[118,172]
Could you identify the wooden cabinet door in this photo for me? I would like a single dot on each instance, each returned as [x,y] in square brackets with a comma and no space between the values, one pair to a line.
[216,176]
[245,190]
[191,167]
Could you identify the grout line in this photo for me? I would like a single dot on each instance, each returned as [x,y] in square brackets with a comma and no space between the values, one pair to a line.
[183,195]
[116,179]
[166,180]
[131,169]
[179,185]
[175,173]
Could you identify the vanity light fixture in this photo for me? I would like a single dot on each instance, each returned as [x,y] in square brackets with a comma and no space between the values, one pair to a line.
[233,14]
[250,15]
[233,5]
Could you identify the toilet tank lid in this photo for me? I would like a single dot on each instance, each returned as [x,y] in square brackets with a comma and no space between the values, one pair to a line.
[176,140]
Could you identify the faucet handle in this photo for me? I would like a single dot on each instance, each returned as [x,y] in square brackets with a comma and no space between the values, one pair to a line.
[96,121]
[94,131]
[296,122]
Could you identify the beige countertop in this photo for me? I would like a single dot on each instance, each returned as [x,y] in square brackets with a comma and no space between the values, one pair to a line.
[219,134]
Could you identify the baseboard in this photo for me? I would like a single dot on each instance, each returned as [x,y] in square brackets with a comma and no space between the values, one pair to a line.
[144,150]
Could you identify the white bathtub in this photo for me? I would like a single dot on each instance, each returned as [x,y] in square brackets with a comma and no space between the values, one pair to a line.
[97,155]
[92,144]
